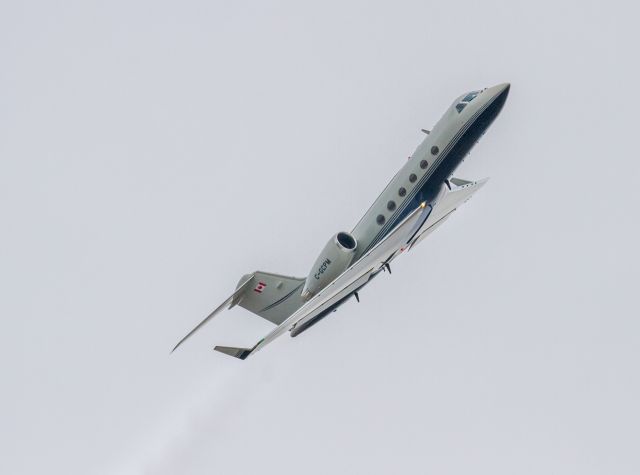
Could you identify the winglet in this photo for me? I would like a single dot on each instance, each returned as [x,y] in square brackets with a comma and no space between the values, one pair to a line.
[240,353]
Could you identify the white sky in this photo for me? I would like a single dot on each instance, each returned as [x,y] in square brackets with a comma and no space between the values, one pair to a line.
[151,153]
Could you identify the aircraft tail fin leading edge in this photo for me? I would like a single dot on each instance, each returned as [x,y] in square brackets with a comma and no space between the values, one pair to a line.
[230,302]
[271,296]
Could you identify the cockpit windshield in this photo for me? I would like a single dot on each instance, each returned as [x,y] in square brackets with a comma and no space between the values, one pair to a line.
[471,96]
[466,99]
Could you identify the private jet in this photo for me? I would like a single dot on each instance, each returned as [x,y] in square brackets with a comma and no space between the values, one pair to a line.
[418,199]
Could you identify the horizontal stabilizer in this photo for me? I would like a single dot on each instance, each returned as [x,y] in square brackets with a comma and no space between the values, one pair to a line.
[241,353]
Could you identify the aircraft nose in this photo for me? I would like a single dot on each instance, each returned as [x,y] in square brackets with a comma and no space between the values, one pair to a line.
[501,89]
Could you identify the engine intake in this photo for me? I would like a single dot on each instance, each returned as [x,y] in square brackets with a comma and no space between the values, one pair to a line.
[346,240]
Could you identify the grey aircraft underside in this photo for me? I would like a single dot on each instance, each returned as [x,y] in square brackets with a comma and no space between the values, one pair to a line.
[420,197]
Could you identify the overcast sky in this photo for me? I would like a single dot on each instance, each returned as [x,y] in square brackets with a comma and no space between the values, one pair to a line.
[151,153]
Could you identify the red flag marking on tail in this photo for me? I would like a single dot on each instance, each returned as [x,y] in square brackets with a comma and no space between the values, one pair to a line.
[260,287]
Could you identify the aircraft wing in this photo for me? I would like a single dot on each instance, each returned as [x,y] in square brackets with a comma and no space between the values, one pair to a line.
[351,279]
[459,194]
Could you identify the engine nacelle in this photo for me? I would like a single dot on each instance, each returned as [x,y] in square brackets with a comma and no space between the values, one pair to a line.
[334,259]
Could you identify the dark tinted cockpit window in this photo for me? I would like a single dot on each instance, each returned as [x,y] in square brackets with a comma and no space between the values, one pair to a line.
[465,100]
[471,96]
